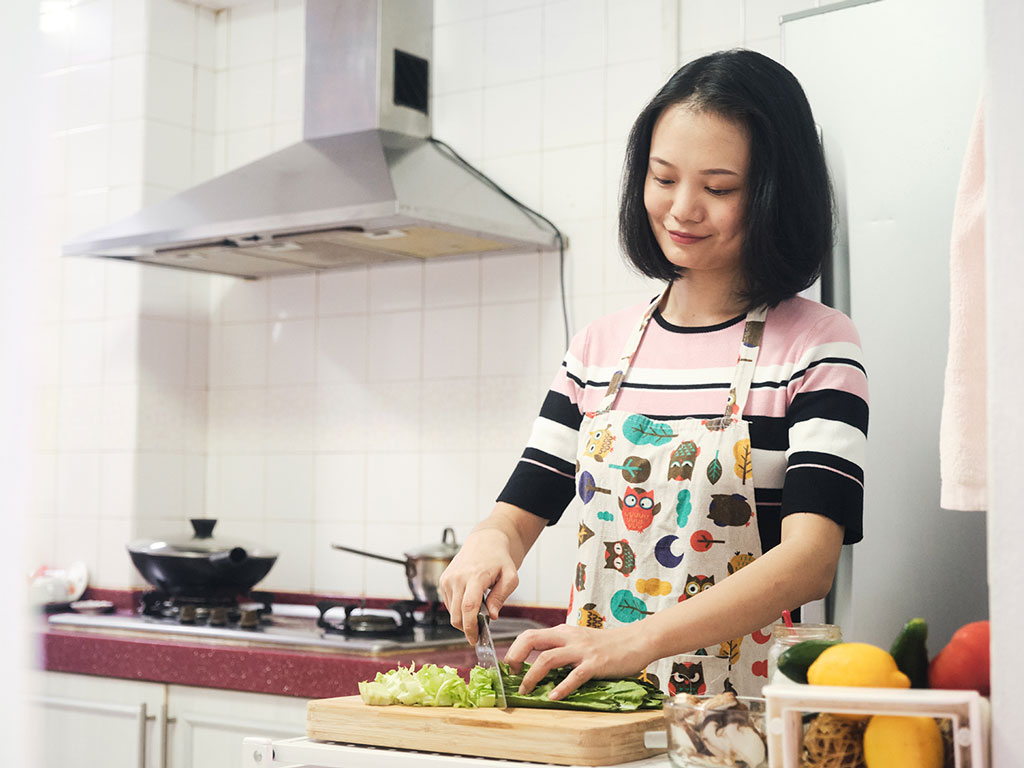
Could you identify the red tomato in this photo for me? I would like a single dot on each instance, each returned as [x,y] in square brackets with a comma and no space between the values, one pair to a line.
[964,663]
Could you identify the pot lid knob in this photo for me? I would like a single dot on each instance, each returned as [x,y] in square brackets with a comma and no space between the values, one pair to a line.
[203,527]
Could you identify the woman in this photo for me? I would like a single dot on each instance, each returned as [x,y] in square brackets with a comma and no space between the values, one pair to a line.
[715,436]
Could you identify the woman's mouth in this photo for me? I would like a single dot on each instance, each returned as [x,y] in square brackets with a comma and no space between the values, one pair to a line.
[685,238]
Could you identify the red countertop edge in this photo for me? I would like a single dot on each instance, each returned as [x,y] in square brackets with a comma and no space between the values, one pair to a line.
[304,674]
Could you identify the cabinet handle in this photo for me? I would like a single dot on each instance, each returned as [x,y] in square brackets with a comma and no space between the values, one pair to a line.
[142,735]
[164,720]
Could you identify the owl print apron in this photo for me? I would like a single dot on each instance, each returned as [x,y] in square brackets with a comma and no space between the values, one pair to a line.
[668,511]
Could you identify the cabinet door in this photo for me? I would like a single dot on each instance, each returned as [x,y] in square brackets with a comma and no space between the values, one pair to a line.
[96,722]
[207,726]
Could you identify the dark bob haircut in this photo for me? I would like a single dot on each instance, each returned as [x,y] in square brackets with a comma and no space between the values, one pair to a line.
[788,217]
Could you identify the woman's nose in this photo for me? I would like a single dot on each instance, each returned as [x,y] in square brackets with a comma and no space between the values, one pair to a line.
[686,205]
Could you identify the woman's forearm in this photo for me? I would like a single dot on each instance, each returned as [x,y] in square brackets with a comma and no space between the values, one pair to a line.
[520,527]
[798,570]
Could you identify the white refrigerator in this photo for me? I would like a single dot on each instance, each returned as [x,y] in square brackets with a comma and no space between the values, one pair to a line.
[894,85]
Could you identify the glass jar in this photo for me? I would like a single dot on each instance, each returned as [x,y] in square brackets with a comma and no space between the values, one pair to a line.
[784,637]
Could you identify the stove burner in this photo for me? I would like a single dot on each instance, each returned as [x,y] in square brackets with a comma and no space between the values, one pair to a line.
[216,611]
[395,621]
[372,623]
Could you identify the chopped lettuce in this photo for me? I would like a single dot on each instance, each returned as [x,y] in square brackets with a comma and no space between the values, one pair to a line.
[429,686]
[433,686]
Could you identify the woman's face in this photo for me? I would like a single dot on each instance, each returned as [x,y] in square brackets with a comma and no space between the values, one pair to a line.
[696,188]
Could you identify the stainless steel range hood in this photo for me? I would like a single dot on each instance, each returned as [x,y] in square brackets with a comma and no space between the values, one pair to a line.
[366,183]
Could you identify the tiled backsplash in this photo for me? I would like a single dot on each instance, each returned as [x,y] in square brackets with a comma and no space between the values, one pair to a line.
[373,406]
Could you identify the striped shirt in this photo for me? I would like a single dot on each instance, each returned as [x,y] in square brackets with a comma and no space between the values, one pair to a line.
[807,408]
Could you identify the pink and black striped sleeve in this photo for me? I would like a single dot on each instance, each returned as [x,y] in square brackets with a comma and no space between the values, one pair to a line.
[827,419]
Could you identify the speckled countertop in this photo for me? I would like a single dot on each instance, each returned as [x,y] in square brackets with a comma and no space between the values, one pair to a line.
[237,666]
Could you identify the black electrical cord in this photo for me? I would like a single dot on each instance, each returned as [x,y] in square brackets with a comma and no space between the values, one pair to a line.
[526,209]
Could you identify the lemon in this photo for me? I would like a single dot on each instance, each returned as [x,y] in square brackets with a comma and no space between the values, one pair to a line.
[857,664]
[892,741]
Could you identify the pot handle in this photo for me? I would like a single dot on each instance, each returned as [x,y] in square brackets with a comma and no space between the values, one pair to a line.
[229,558]
[449,533]
[370,554]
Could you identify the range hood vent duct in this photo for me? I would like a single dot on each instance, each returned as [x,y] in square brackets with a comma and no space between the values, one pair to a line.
[366,183]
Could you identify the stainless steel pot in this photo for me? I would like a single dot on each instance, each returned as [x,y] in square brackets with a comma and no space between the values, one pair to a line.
[423,566]
[201,566]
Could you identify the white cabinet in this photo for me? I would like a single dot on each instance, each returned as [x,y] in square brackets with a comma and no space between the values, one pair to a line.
[207,726]
[96,722]
[103,722]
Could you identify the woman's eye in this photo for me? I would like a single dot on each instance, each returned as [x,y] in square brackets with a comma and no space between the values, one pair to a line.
[718,192]
[663,182]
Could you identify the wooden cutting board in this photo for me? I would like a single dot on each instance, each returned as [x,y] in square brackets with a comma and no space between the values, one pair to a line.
[562,737]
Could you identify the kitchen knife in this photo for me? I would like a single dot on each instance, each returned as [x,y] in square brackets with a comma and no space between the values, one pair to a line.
[487,657]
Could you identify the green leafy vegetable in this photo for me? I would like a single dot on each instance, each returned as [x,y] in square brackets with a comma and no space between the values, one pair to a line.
[625,695]
[433,686]
[429,686]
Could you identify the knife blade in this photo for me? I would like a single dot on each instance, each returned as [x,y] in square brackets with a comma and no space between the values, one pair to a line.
[487,657]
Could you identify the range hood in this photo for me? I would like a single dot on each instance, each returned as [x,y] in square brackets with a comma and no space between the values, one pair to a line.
[366,183]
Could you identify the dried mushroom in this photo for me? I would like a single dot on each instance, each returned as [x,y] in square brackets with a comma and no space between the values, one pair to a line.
[718,732]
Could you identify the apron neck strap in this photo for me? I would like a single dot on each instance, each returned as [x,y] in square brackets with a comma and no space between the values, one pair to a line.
[746,361]
[743,374]
[628,350]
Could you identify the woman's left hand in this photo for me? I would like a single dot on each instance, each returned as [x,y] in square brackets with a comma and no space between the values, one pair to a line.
[592,653]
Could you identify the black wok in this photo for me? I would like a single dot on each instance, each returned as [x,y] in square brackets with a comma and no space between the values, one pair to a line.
[202,566]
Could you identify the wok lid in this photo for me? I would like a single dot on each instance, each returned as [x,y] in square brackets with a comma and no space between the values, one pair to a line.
[201,544]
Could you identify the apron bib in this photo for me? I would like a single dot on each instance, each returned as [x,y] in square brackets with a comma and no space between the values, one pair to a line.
[668,511]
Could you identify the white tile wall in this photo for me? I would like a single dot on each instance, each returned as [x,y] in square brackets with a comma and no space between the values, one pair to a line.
[513,46]
[633,31]
[88,94]
[292,352]
[372,405]
[573,110]
[395,346]
[172,30]
[396,286]
[290,419]
[574,36]
[450,342]
[130,32]
[451,282]
[93,37]
[289,487]
[458,56]
[512,118]
[336,572]
[340,487]
[505,278]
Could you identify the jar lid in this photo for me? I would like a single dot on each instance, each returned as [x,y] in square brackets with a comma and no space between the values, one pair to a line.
[797,633]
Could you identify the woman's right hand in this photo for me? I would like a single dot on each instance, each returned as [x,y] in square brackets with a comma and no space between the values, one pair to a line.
[488,560]
[483,563]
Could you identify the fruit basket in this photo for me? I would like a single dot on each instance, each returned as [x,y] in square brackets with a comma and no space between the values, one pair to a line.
[791,710]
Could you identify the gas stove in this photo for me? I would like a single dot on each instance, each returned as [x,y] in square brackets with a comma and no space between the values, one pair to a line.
[342,626]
